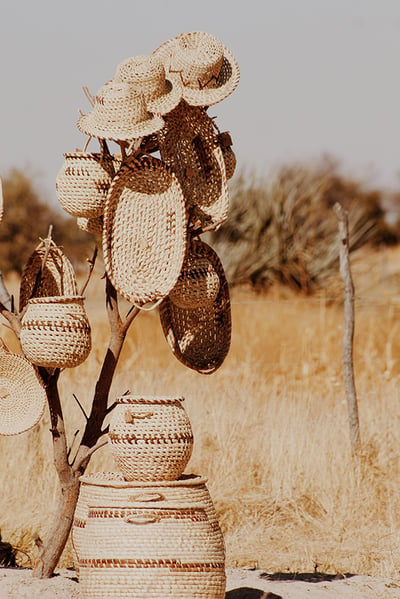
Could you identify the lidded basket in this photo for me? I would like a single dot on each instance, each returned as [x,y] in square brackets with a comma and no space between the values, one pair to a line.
[56,331]
[149,552]
[82,183]
[150,437]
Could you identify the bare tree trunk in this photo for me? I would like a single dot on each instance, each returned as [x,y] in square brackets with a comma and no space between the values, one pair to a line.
[348,332]
[69,474]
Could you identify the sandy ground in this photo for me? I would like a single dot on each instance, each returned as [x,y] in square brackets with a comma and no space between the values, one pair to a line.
[241,584]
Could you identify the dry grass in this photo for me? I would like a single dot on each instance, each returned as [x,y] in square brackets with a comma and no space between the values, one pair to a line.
[271,431]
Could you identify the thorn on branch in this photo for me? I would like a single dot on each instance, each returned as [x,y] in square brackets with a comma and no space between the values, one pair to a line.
[81,407]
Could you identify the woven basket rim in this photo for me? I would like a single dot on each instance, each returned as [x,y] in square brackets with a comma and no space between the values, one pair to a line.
[168,505]
[56,299]
[182,481]
[148,399]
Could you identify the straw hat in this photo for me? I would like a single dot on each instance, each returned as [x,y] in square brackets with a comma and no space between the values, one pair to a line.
[189,145]
[200,337]
[147,76]
[207,69]
[22,395]
[144,230]
[119,114]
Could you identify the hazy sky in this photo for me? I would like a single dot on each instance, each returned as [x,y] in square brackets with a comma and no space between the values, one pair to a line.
[317,76]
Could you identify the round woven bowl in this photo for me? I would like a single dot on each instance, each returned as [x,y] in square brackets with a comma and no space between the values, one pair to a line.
[197,285]
[150,552]
[83,182]
[110,489]
[150,437]
[56,332]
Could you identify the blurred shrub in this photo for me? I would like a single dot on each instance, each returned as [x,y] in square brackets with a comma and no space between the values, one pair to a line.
[27,219]
[286,229]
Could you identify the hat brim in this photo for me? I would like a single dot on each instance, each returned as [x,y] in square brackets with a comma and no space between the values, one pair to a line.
[144,231]
[22,395]
[200,337]
[170,99]
[118,131]
[225,84]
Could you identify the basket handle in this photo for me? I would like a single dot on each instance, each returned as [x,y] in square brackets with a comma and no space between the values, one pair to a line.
[147,497]
[130,416]
[140,520]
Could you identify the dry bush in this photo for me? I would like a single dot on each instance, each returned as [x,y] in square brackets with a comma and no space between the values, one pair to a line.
[285,230]
[270,428]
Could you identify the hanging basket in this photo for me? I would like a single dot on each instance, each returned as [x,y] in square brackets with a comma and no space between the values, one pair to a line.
[56,332]
[48,272]
[82,183]
[111,489]
[150,552]
[150,437]
[144,233]
[200,337]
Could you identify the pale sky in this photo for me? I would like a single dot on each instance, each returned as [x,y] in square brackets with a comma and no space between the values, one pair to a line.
[317,76]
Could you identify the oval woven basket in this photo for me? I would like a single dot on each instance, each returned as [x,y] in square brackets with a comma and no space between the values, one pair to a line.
[55,332]
[82,183]
[111,489]
[150,437]
[189,146]
[151,552]
[48,272]
[144,233]
[22,394]
[200,337]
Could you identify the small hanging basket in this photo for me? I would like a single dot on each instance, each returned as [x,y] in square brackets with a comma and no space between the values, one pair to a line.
[83,182]
[56,332]
[150,437]
[48,272]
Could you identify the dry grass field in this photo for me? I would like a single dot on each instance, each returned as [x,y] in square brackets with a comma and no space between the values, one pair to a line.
[270,427]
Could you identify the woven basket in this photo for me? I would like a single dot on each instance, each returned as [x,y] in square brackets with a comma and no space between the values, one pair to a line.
[22,394]
[189,146]
[200,337]
[167,552]
[94,226]
[197,285]
[110,489]
[55,277]
[144,233]
[82,183]
[56,332]
[150,437]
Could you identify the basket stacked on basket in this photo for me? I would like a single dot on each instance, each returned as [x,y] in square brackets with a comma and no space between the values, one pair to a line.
[148,530]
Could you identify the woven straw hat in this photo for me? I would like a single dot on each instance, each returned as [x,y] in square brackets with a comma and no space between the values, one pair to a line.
[144,232]
[207,69]
[119,114]
[55,276]
[200,337]
[189,145]
[147,76]
[22,395]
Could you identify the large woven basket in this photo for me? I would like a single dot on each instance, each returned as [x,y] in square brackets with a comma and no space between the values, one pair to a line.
[110,489]
[22,394]
[48,272]
[148,552]
[144,233]
[150,437]
[82,183]
[56,332]
[189,146]
[200,337]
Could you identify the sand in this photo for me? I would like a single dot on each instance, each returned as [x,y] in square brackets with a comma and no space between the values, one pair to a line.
[241,584]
